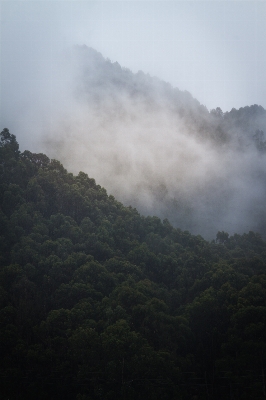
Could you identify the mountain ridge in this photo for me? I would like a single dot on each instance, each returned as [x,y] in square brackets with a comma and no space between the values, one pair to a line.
[160,150]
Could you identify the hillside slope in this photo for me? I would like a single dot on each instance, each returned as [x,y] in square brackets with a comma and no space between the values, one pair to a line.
[158,149]
[98,302]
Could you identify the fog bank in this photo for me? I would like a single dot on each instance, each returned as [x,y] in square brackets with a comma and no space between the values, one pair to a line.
[153,146]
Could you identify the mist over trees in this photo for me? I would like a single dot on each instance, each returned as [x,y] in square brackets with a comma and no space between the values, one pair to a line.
[157,148]
[99,302]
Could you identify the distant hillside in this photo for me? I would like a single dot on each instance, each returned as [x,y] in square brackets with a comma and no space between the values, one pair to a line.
[98,302]
[158,149]
[102,81]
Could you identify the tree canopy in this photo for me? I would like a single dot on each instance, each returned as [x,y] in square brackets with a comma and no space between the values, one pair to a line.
[99,302]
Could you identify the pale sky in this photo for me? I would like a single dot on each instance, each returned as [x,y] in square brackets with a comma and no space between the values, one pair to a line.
[216,50]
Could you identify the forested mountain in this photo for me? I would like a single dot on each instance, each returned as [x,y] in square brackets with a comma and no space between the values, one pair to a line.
[158,149]
[99,302]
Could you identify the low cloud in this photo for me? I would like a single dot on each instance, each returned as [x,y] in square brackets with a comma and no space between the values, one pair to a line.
[150,145]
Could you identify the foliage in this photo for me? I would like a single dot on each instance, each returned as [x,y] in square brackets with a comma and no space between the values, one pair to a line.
[98,302]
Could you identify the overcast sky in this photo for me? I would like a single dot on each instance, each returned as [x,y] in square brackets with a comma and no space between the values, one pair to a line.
[214,49]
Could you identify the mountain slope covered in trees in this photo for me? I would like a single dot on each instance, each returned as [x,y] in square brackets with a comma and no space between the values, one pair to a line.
[157,148]
[99,302]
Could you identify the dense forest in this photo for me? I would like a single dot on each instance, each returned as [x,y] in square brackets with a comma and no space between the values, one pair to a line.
[99,302]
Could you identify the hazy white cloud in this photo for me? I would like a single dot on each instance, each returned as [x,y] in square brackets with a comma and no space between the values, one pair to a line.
[215,50]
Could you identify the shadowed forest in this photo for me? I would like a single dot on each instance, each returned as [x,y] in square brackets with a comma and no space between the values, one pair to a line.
[99,302]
